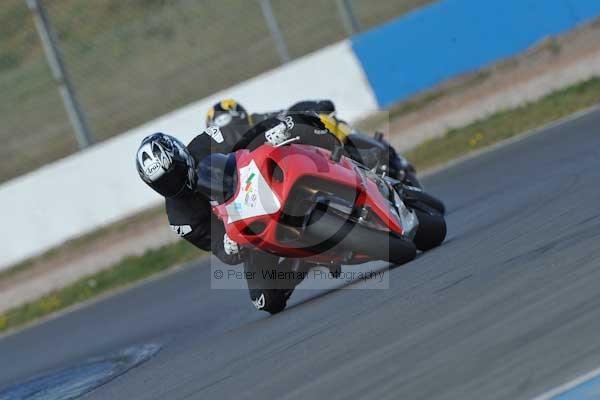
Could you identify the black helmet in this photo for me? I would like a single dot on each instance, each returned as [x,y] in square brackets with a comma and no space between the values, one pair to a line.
[231,117]
[166,165]
[217,176]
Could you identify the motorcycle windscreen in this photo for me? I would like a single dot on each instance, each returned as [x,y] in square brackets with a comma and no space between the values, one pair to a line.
[217,177]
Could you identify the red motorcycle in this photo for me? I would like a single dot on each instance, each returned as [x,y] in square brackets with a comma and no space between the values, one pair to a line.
[302,202]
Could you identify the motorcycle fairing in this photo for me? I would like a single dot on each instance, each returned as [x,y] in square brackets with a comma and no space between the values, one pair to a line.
[293,163]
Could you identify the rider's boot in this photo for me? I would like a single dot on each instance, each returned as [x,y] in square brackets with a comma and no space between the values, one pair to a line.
[335,270]
[296,270]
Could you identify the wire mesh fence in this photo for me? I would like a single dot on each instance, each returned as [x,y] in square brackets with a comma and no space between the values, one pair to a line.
[131,61]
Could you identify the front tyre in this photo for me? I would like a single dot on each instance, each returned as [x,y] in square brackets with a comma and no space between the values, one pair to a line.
[431,231]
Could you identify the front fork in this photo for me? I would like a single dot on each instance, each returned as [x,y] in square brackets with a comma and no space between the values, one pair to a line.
[408,218]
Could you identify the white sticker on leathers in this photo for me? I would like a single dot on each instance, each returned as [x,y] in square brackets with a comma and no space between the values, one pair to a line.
[181,230]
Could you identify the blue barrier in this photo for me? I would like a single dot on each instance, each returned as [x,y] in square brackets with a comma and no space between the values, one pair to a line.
[451,37]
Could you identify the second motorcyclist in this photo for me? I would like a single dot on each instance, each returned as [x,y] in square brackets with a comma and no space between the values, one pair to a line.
[374,152]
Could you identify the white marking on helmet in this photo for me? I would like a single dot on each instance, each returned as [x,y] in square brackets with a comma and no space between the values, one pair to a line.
[165,156]
[223,119]
[152,167]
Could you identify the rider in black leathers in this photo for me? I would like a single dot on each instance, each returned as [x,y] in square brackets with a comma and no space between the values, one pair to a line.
[191,217]
[172,169]
[190,213]
[175,171]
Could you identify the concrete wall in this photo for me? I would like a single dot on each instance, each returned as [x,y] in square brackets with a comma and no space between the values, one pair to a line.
[99,186]
[451,37]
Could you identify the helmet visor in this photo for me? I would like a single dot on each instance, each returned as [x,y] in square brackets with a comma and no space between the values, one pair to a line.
[173,181]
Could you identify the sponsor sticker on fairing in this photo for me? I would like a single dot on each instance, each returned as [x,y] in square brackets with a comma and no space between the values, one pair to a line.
[254,198]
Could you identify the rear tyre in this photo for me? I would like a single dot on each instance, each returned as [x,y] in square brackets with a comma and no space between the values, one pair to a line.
[432,230]
[266,294]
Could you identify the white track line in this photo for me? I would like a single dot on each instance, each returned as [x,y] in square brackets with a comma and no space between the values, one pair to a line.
[569,385]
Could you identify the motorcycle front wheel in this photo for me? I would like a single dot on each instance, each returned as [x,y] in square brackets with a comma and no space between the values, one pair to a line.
[431,231]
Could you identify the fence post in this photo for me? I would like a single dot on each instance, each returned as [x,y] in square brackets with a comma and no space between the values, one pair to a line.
[59,72]
[349,20]
[267,11]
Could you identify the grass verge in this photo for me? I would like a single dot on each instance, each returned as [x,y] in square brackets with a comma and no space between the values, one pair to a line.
[455,143]
[506,124]
[128,271]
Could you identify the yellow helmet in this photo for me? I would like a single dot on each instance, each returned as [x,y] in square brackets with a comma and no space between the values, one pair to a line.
[225,112]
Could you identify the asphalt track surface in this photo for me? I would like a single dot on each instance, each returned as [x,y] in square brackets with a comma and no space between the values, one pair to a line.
[508,307]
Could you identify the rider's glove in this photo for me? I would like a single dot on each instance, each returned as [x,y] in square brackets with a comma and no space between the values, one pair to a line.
[278,134]
[230,246]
